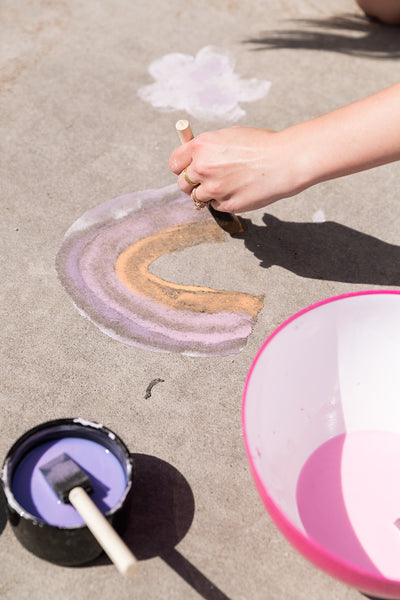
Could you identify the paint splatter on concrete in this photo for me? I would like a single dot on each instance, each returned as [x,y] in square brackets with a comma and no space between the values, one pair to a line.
[104,261]
[319,216]
[205,86]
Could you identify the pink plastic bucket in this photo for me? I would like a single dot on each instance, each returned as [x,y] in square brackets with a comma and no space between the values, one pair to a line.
[321,422]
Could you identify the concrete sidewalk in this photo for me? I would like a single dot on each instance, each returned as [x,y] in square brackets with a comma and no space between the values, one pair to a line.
[74,134]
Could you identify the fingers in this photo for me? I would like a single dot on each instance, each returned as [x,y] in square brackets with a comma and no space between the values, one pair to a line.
[180,158]
[187,180]
[187,185]
[191,185]
[200,195]
[198,204]
[180,162]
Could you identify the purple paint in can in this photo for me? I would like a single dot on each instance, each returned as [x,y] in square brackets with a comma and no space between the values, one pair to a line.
[33,493]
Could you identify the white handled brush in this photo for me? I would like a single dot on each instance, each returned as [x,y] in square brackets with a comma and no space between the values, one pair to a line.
[72,484]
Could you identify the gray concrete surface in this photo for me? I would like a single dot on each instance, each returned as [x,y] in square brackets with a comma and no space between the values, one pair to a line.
[74,133]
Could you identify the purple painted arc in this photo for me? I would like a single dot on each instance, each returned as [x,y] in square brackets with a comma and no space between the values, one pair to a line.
[126,306]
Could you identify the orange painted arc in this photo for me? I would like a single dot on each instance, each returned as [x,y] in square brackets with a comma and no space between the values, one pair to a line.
[132,268]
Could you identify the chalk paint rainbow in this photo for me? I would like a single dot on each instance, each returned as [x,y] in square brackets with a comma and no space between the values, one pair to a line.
[103,264]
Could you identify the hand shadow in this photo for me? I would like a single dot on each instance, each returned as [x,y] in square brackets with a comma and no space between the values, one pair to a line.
[161,514]
[327,250]
[336,34]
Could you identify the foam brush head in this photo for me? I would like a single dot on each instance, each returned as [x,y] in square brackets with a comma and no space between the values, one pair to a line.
[63,474]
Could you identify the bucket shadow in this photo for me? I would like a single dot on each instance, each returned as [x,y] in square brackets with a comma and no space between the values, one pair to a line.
[373,597]
[329,251]
[3,514]
[346,34]
[161,514]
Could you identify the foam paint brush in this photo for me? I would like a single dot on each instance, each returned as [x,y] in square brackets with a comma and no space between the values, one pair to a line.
[227,221]
[72,484]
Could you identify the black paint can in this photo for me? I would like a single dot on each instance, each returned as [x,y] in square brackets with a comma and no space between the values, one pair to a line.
[62,543]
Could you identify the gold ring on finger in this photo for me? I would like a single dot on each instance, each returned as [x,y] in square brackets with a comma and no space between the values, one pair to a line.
[188,180]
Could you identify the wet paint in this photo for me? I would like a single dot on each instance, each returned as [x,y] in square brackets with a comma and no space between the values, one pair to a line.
[104,261]
[348,500]
[34,494]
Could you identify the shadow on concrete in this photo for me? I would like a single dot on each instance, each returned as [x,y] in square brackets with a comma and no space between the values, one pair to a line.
[161,514]
[329,251]
[3,514]
[373,597]
[348,34]
[162,508]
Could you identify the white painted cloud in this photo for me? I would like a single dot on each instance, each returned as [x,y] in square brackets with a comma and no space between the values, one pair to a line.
[205,86]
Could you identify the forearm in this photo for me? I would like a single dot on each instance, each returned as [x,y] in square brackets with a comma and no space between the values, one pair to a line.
[354,138]
[241,169]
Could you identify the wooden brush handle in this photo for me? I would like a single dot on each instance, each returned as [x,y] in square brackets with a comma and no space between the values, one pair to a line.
[184,131]
[105,534]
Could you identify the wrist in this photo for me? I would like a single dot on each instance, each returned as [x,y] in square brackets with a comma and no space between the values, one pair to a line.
[301,156]
[321,151]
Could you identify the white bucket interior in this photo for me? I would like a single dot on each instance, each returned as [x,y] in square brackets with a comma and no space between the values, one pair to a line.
[333,371]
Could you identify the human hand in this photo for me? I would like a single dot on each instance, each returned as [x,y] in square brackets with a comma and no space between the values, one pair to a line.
[238,169]
[242,168]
